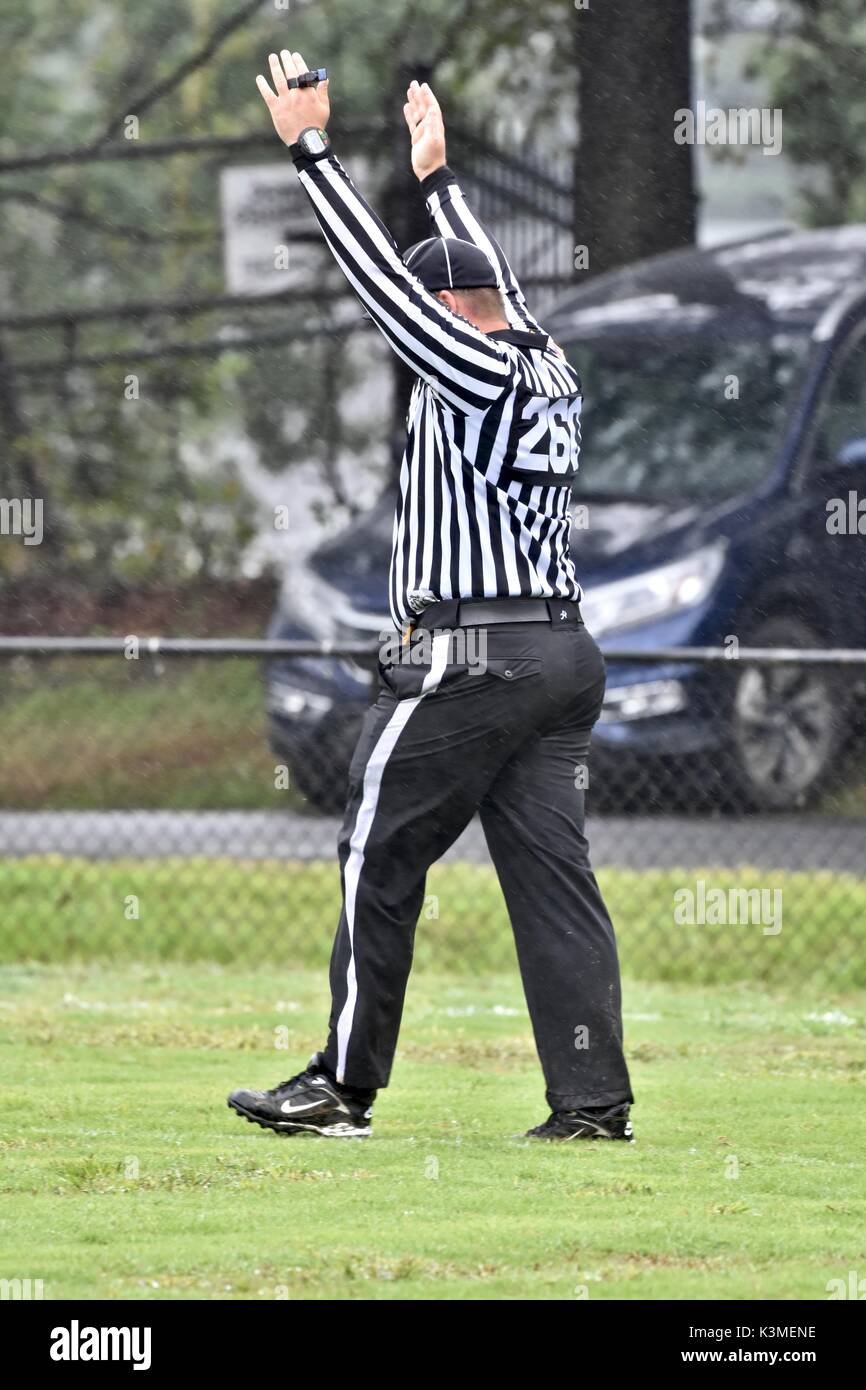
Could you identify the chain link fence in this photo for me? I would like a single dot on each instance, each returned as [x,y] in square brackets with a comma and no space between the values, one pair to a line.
[161,805]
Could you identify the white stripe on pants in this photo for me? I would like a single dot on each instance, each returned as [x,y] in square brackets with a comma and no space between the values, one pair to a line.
[366,812]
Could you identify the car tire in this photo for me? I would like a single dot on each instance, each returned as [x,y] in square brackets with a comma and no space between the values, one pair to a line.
[786,723]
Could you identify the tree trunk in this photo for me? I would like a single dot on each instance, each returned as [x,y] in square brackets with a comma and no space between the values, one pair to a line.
[634,186]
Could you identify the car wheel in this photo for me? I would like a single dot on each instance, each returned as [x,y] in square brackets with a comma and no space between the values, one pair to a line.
[787,722]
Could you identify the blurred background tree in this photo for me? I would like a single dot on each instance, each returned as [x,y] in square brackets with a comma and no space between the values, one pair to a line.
[161,470]
[818,78]
[143,461]
[616,72]
[808,58]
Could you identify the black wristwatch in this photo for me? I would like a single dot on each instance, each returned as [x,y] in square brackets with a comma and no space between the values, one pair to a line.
[312,143]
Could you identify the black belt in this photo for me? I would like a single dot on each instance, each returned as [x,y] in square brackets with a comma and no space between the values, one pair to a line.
[480,612]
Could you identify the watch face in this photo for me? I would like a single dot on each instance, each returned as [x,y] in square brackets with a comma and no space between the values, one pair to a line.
[314,142]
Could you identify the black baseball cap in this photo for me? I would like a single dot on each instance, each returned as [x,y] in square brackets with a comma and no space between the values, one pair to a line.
[446,263]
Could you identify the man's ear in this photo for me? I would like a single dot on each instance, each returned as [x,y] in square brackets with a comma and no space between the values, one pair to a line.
[448,299]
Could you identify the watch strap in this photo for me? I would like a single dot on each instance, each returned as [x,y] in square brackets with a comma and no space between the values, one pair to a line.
[302,156]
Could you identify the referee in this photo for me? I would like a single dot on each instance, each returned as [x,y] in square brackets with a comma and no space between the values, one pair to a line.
[488,701]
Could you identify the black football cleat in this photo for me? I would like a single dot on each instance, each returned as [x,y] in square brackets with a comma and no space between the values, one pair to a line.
[309,1103]
[563,1125]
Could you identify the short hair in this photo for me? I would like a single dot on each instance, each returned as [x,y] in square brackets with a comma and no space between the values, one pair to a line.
[485,302]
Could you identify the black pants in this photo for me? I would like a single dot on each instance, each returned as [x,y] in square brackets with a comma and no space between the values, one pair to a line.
[446,739]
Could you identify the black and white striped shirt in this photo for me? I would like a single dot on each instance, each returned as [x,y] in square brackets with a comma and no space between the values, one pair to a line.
[494,431]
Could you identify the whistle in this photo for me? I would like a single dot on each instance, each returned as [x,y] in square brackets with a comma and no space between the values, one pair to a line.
[308,79]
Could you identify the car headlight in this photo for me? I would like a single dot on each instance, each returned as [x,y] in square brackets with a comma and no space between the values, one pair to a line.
[296,702]
[643,700]
[655,593]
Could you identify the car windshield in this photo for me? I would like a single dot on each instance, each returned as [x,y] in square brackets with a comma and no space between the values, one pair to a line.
[692,418]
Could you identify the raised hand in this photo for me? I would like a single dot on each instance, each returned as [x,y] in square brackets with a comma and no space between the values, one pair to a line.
[427,128]
[293,109]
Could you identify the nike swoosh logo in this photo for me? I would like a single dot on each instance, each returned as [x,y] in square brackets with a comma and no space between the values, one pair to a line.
[587,1124]
[289,1109]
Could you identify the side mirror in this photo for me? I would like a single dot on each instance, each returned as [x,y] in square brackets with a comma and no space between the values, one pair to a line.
[852,454]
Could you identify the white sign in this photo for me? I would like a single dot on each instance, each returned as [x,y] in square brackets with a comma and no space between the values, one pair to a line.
[272,241]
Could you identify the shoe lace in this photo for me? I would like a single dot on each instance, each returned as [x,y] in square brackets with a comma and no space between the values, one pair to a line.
[282,1085]
[558,1115]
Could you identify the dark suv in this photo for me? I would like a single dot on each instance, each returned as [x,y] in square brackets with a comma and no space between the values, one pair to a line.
[724,428]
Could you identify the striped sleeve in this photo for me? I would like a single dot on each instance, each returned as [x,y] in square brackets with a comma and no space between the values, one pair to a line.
[469,370]
[451,216]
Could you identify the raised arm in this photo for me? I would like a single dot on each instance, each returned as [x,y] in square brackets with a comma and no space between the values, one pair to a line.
[470,370]
[449,212]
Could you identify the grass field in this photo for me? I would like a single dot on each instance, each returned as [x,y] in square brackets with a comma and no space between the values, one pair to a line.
[124,1175]
[254,912]
[127,734]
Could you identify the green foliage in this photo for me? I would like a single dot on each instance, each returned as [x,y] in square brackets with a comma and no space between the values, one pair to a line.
[818,78]
[142,478]
[151,488]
